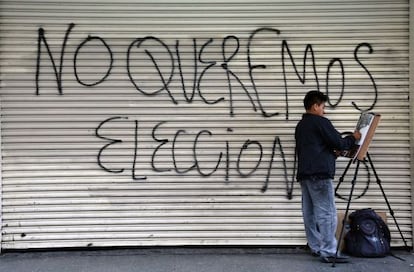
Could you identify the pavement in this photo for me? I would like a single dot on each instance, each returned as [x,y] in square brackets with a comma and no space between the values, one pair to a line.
[187,259]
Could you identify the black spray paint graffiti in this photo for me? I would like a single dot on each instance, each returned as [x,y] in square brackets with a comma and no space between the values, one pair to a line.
[229,44]
[230,47]
[364,190]
[169,144]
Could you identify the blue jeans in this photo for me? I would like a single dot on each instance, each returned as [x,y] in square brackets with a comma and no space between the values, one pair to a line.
[319,215]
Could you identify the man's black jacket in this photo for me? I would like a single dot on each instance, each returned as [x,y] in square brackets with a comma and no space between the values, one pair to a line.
[316,139]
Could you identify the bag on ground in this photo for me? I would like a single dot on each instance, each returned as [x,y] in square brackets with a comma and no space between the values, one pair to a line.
[368,236]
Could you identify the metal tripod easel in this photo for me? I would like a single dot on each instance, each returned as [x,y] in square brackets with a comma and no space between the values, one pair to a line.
[350,198]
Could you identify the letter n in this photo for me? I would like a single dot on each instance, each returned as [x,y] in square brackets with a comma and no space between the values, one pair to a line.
[58,74]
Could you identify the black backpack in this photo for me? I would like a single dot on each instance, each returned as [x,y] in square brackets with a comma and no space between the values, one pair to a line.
[368,236]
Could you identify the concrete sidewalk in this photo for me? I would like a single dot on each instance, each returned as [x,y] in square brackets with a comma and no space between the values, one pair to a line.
[193,260]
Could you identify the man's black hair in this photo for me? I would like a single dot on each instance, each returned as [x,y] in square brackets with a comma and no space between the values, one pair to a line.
[314,97]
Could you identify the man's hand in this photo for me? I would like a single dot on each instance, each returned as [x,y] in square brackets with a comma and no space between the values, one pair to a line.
[357,135]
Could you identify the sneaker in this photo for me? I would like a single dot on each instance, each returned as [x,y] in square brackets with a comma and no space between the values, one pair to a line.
[315,253]
[331,259]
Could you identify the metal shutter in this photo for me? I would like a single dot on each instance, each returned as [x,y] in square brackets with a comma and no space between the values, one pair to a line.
[160,122]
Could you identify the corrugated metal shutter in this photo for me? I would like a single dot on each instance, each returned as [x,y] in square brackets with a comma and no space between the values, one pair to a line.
[160,122]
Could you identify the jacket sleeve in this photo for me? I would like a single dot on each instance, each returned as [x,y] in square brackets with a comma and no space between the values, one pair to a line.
[333,138]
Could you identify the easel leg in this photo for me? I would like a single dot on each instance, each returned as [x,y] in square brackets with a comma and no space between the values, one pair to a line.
[346,211]
[341,179]
[386,200]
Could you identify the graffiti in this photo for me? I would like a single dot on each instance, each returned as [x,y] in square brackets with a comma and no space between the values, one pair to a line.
[165,60]
[230,47]
[363,190]
[169,145]
[58,75]
[91,38]
[369,74]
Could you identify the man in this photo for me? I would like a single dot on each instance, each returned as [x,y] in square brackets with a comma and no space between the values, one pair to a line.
[316,142]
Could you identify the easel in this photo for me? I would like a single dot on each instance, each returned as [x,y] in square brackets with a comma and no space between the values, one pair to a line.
[358,161]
